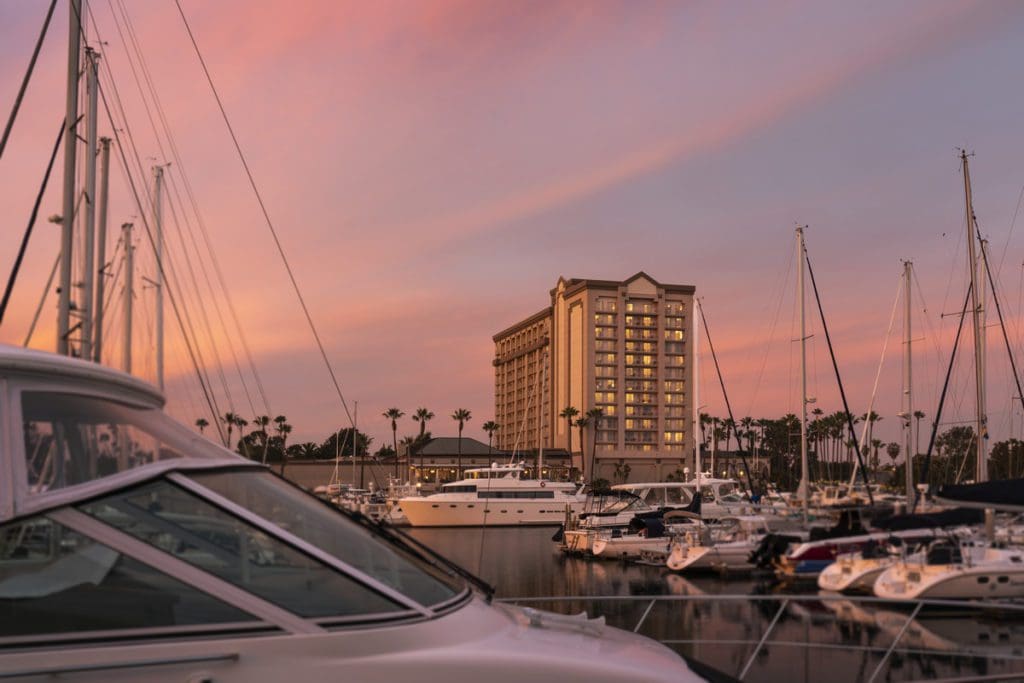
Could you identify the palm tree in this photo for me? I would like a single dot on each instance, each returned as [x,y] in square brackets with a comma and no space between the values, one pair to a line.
[594,415]
[283,429]
[229,420]
[581,424]
[569,413]
[423,416]
[918,415]
[241,422]
[462,416]
[393,414]
[490,427]
[202,424]
[261,422]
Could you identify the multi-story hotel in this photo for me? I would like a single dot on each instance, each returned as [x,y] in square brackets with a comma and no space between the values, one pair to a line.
[622,347]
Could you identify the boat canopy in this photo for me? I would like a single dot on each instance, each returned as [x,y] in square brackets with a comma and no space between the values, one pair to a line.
[931,520]
[1004,494]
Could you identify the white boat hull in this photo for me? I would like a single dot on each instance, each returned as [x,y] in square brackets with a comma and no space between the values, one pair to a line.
[853,575]
[626,547]
[430,511]
[906,581]
[720,557]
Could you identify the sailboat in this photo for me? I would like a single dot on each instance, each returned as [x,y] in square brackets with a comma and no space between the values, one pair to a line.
[976,568]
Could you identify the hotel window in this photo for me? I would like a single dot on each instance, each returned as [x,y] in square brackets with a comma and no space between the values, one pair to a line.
[675,386]
[674,308]
[675,373]
[674,411]
[604,319]
[605,370]
[675,361]
[609,410]
[675,424]
[674,437]
[607,305]
[604,332]
[674,347]
[605,383]
[605,436]
[604,397]
[674,322]
[640,307]
[606,358]
[675,398]
[605,345]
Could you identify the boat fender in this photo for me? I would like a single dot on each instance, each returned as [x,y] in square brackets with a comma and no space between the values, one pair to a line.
[543,484]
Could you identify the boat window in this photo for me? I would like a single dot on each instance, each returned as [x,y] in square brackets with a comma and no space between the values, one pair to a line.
[187,527]
[72,439]
[54,580]
[677,495]
[451,488]
[515,494]
[326,528]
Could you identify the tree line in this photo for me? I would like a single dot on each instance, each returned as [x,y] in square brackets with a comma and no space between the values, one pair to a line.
[260,444]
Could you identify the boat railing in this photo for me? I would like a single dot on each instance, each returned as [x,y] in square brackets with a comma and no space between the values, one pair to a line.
[749,657]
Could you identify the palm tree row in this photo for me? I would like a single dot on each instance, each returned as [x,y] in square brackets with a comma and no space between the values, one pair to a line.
[574,419]
[256,439]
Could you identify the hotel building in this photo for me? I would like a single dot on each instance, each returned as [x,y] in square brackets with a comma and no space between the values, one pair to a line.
[623,347]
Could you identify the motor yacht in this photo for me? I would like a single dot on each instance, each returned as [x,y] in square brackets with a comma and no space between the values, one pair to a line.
[132,548]
[495,496]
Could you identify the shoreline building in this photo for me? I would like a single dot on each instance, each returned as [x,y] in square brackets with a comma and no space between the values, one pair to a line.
[622,347]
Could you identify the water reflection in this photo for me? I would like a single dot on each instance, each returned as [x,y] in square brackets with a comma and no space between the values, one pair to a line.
[849,637]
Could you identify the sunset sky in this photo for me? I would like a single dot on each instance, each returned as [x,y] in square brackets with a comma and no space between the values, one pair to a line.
[433,167]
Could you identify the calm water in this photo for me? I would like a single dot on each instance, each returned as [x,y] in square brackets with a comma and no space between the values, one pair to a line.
[525,563]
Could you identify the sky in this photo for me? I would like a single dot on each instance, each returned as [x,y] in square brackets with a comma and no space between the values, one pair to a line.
[432,168]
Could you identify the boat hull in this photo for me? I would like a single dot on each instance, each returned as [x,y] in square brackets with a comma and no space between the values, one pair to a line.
[430,512]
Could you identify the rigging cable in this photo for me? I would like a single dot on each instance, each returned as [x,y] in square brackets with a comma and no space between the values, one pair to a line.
[839,379]
[207,393]
[266,213]
[755,497]
[31,223]
[24,82]
[942,400]
[169,176]
[878,375]
[1002,325]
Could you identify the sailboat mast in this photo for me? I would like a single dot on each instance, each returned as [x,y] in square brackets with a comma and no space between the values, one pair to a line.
[695,341]
[101,250]
[981,471]
[805,483]
[158,222]
[89,245]
[908,391]
[541,377]
[70,148]
[129,294]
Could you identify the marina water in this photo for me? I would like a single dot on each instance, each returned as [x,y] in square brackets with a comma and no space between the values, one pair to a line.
[814,638]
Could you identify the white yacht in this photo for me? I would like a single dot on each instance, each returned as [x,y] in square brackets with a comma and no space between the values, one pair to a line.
[495,496]
[954,569]
[132,548]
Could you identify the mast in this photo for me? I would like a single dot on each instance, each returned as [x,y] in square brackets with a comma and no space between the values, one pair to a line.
[805,484]
[129,294]
[696,402]
[908,394]
[70,148]
[981,473]
[101,250]
[158,180]
[88,269]
[981,470]
[541,377]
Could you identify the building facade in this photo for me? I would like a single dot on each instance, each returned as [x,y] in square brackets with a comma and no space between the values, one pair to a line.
[621,347]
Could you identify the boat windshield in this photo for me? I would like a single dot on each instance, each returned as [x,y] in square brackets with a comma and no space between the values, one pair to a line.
[72,439]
